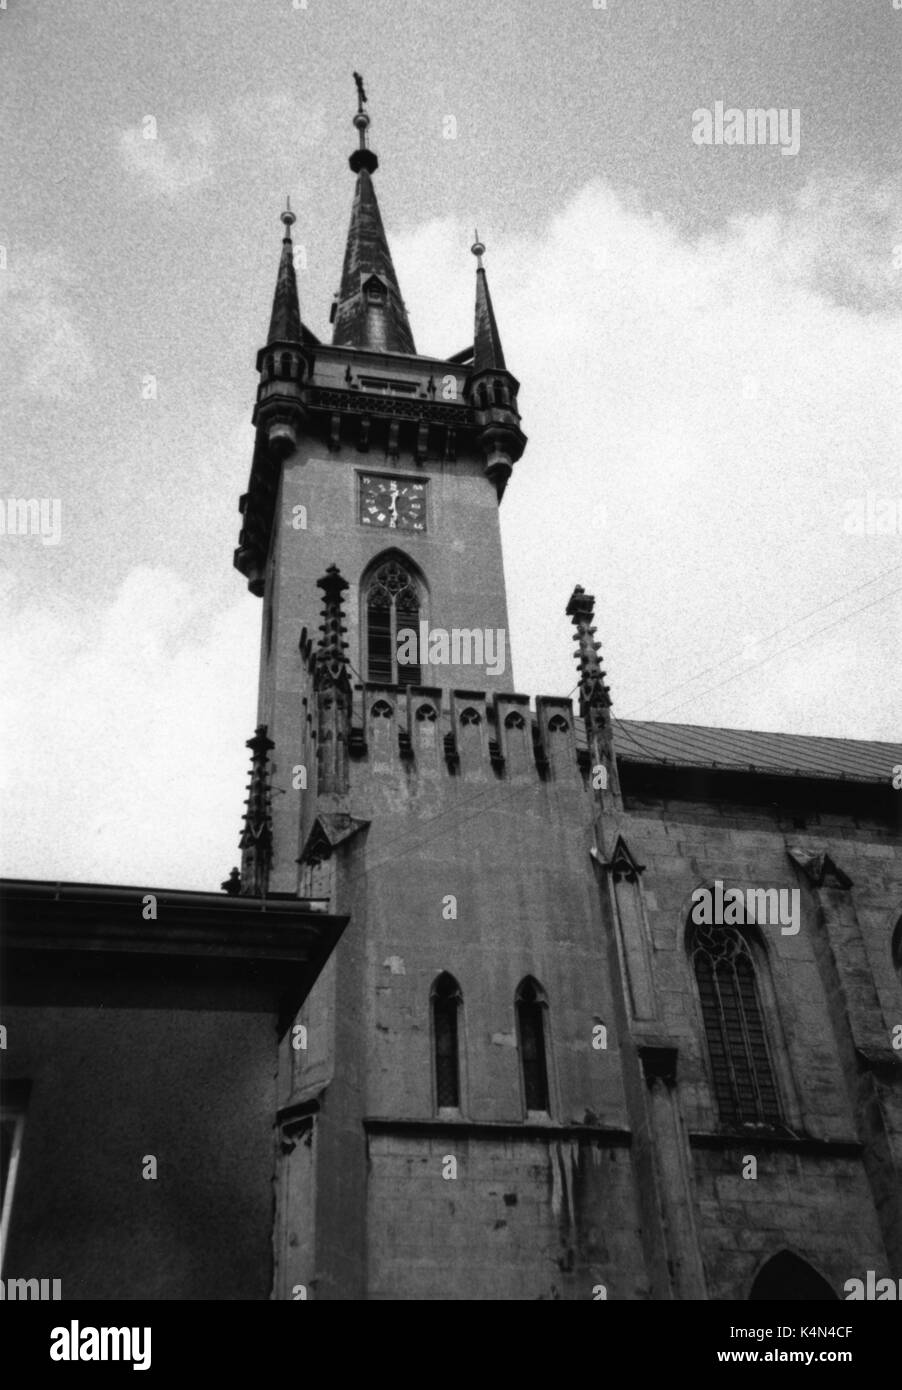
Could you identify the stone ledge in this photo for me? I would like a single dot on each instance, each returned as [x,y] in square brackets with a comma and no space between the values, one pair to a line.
[820,1148]
[496,1129]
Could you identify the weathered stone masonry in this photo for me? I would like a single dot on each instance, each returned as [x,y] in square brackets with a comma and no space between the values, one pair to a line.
[466,832]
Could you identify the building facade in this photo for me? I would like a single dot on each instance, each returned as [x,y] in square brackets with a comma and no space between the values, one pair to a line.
[535,1067]
[139,1047]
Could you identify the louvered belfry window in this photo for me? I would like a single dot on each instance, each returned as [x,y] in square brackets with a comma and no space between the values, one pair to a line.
[446,999]
[531,1030]
[392,604]
[744,1083]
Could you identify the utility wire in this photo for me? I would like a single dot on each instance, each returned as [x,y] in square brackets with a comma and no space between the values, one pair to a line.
[671,690]
[806,638]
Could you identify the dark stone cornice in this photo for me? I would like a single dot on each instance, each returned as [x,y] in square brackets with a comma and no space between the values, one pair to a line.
[612,1136]
[763,1139]
[400,407]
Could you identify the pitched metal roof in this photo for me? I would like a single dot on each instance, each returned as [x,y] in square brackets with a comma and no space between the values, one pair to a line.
[487,350]
[792,755]
[366,255]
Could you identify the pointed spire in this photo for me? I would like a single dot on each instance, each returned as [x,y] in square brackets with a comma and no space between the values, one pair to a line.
[487,350]
[594,700]
[330,660]
[333,689]
[491,389]
[369,311]
[285,324]
[256,836]
[594,695]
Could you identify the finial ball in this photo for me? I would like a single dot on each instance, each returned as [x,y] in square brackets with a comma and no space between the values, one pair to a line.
[478,248]
[361,120]
[288,218]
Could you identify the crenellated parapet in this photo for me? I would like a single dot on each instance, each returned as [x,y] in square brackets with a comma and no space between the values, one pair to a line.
[422,732]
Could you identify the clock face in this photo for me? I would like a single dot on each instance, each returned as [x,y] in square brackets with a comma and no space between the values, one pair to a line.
[397,503]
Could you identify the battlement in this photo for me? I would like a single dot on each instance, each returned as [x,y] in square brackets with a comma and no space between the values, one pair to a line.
[468,734]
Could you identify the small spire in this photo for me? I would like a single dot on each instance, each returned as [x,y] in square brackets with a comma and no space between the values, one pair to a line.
[593,693]
[368,311]
[285,324]
[332,685]
[487,350]
[256,836]
[331,662]
[594,696]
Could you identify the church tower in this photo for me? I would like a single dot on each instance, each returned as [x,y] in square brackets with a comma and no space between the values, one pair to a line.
[403,782]
[526,1072]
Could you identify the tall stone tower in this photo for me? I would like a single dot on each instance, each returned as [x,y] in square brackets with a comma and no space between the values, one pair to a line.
[419,795]
[525,1073]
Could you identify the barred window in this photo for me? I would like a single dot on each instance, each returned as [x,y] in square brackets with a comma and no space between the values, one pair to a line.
[446,1002]
[392,604]
[741,1070]
[530,1007]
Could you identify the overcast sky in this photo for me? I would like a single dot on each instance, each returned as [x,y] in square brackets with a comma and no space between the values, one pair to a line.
[708,340]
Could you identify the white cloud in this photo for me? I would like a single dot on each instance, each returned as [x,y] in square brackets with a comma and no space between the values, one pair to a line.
[165,161]
[699,413]
[133,766]
[44,348]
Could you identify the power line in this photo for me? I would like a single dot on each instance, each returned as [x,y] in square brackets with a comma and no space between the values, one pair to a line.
[807,638]
[654,699]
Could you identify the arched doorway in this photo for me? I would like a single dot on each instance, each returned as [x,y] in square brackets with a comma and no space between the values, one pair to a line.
[786,1277]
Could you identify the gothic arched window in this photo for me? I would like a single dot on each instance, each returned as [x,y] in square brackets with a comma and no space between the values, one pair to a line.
[392,603]
[446,1003]
[743,1077]
[531,1008]
[785,1276]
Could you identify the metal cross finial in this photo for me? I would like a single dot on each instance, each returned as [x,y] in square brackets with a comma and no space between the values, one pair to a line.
[361,94]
